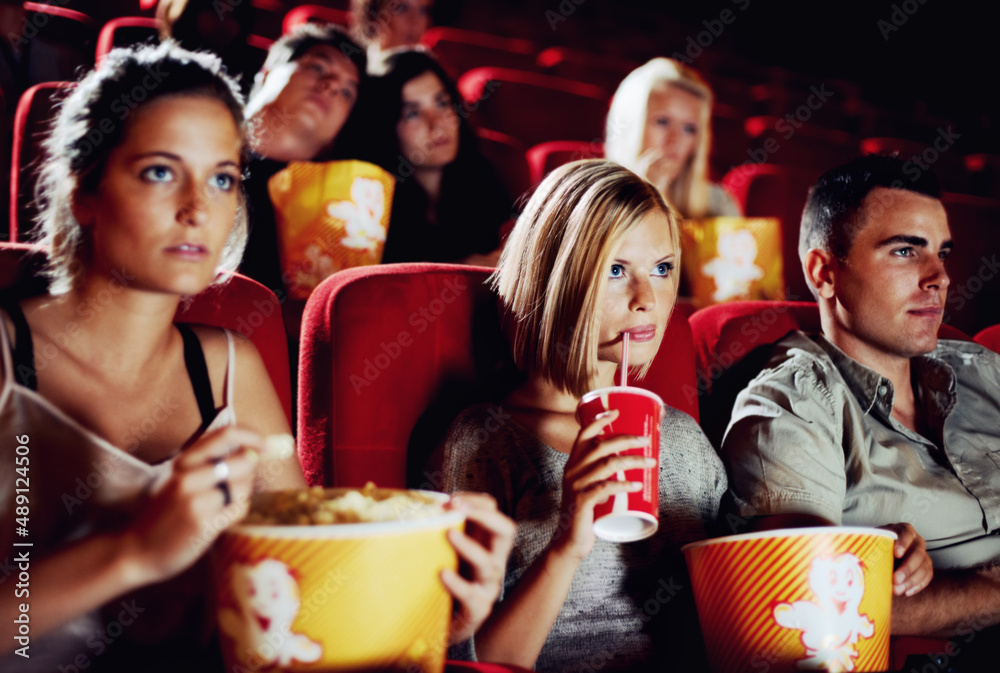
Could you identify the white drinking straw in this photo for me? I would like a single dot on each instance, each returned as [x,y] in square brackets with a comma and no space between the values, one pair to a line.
[623,377]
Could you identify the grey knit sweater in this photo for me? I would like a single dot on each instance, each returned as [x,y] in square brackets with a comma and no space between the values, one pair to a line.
[630,605]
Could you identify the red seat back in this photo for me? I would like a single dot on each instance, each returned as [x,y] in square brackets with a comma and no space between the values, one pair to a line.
[507,154]
[391,354]
[34,113]
[545,157]
[460,50]
[126,30]
[241,305]
[809,148]
[732,344]
[937,154]
[314,14]
[604,70]
[62,42]
[984,174]
[974,264]
[534,108]
[990,337]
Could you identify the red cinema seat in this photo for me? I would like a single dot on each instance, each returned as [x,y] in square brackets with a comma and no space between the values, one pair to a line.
[62,42]
[829,103]
[5,150]
[391,354]
[605,70]
[268,16]
[989,337]
[732,343]
[461,50]
[534,108]
[974,264]
[35,111]
[809,148]
[126,30]
[984,174]
[314,14]
[481,667]
[938,155]
[507,154]
[545,157]
[241,305]
[729,139]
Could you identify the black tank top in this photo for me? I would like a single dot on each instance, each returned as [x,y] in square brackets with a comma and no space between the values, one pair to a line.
[23,356]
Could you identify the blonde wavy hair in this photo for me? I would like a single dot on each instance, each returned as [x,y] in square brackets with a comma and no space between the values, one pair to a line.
[553,270]
[626,127]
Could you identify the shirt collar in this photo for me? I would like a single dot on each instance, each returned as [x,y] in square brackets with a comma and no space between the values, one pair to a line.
[874,392]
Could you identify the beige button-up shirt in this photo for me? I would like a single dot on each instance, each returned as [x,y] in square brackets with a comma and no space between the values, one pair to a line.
[814,434]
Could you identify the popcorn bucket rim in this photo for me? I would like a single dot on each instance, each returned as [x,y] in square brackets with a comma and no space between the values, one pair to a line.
[791,532]
[355,530]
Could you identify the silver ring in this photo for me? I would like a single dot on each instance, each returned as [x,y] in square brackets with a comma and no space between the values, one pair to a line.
[221,470]
[227,497]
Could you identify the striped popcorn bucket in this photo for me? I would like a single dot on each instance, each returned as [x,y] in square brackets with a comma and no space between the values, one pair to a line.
[814,599]
[347,597]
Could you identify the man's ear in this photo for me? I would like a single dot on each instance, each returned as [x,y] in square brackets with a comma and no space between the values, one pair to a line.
[819,266]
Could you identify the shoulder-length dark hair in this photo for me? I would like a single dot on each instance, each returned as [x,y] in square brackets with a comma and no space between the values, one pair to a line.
[378,141]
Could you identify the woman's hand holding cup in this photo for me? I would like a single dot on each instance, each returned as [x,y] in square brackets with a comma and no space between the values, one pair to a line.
[589,479]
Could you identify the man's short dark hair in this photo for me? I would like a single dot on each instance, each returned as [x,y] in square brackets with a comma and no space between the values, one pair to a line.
[292,46]
[830,222]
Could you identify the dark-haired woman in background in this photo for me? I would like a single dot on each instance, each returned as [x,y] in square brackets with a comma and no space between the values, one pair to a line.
[449,204]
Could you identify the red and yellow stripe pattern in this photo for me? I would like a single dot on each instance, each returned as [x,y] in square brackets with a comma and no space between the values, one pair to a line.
[739,580]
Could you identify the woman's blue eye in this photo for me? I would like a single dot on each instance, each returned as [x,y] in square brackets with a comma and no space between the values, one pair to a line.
[225,181]
[157,174]
[663,269]
[690,129]
[617,271]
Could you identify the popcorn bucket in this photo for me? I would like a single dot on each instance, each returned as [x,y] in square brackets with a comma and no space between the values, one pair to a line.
[341,597]
[330,216]
[732,258]
[797,599]
[625,517]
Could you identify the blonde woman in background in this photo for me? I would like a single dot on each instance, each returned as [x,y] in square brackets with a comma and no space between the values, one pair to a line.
[659,126]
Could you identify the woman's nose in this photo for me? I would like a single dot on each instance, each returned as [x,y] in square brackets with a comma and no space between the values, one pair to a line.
[643,297]
[193,208]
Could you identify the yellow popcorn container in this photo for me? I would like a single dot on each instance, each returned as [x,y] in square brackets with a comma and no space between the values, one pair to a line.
[732,258]
[330,216]
[338,597]
[797,599]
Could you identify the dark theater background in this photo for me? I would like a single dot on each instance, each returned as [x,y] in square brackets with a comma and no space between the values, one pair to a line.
[799,86]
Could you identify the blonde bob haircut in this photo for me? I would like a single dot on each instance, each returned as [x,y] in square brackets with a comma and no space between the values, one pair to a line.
[554,268]
[626,127]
